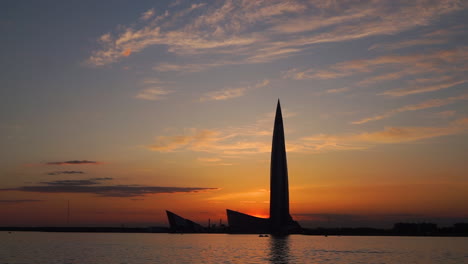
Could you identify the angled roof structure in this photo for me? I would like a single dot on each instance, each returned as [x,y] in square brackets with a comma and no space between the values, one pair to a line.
[179,224]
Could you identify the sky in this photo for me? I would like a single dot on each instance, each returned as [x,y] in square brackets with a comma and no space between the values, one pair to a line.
[125,109]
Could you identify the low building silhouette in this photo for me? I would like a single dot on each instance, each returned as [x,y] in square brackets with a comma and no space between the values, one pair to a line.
[178,224]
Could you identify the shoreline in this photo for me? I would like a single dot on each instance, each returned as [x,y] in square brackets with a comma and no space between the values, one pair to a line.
[306,231]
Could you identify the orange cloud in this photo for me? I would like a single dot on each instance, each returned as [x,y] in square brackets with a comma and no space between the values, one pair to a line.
[224,94]
[424,105]
[445,114]
[148,14]
[389,135]
[448,68]
[153,94]
[423,89]
[126,52]
[231,92]
[209,159]
[229,142]
[232,29]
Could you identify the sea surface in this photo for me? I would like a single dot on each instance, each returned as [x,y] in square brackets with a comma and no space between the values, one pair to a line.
[109,248]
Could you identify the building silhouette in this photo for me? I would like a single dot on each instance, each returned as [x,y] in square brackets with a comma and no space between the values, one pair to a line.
[179,224]
[280,221]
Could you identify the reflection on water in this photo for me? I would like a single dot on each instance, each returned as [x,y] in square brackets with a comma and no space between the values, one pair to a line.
[79,248]
[279,250]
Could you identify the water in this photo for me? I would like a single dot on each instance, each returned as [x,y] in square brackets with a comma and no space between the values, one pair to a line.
[109,248]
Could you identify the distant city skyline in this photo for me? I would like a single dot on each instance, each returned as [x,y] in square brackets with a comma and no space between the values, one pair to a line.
[127,109]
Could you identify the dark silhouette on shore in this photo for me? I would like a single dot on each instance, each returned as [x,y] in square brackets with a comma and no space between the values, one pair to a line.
[280,221]
[399,229]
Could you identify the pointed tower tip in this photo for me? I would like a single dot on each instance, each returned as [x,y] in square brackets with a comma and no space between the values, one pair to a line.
[278,109]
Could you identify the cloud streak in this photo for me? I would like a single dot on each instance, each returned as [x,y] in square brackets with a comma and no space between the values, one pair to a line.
[92,181]
[148,14]
[254,32]
[73,162]
[447,68]
[64,172]
[211,141]
[389,135]
[445,114]
[243,140]
[413,107]
[437,37]
[19,201]
[153,94]
[423,89]
[250,139]
[230,93]
[109,191]
[93,186]
[224,94]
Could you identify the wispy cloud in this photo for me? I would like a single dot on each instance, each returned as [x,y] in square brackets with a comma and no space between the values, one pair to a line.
[108,191]
[92,181]
[408,43]
[389,135]
[224,94]
[408,134]
[65,172]
[148,14]
[94,186]
[337,90]
[153,94]
[423,89]
[445,114]
[153,81]
[73,162]
[253,32]
[413,107]
[436,37]
[211,141]
[191,67]
[209,159]
[213,162]
[250,139]
[19,201]
[242,140]
[447,67]
[230,93]
[440,61]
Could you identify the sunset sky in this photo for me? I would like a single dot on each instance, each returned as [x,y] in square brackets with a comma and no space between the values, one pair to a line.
[129,108]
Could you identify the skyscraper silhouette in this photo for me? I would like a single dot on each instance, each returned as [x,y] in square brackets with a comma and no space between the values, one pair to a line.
[280,219]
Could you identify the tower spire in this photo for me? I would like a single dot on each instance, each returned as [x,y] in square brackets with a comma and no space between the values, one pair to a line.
[279,189]
[280,221]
